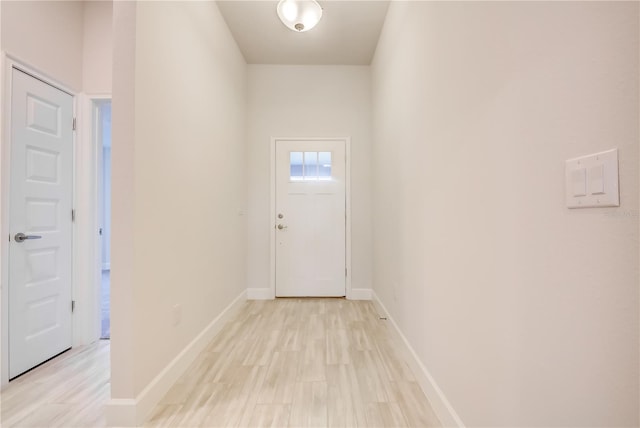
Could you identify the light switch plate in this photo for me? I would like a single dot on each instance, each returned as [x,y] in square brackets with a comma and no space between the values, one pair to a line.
[592,181]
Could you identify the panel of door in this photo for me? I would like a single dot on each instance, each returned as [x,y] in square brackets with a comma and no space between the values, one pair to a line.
[310,218]
[40,249]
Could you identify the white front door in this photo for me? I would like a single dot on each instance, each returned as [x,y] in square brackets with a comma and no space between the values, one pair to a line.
[40,222]
[310,218]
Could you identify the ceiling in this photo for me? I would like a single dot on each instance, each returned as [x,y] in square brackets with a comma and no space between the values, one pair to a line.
[347,33]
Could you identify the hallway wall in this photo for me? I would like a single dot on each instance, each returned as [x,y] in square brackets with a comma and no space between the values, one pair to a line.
[523,311]
[308,101]
[179,187]
[97,47]
[52,46]
[75,48]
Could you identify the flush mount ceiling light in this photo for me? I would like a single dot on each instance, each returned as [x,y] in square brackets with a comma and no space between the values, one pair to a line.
[299,15]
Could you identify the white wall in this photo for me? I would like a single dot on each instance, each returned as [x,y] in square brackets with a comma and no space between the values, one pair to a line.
[524,312]
[179,163]
[308,101]
[97,52]
[69,41]
[123,239]
[46,35]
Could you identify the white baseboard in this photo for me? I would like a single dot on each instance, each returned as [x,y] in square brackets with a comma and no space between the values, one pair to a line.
[360,294]
[121,412]
[259,294]
[134,412]
[443,409]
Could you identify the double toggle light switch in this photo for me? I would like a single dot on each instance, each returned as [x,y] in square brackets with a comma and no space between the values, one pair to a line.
[592,181]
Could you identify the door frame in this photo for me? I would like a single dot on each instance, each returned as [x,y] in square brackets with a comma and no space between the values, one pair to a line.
[272,209]
[10,62]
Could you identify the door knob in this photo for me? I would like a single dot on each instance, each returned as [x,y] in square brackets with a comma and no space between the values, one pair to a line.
[281,226]
[20,237]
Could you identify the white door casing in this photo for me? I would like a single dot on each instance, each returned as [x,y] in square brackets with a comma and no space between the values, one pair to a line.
[40,204]
[310,218]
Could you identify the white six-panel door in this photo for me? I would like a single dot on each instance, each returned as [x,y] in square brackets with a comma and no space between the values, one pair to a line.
[310,218]
[40,208]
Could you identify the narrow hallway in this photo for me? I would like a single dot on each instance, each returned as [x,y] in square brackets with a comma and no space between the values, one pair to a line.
[283,362]
[299,362]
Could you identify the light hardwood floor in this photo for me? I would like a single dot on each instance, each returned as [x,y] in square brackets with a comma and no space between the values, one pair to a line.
[286,362]
[68,391]
[299,362]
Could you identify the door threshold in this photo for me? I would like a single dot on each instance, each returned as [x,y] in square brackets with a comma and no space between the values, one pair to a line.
[312,297]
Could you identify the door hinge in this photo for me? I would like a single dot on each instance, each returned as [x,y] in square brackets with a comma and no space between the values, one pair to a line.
[73,215]
[74,124]
[73,305]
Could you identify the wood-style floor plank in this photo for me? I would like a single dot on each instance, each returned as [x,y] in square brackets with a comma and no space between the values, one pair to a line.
[286,362]
[68,391]
[269,415]
[309,408]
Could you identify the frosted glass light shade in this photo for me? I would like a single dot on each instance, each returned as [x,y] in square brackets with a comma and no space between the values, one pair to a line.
[299,15]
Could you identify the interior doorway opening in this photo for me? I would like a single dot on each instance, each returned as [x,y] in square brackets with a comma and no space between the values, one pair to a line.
[103,122]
